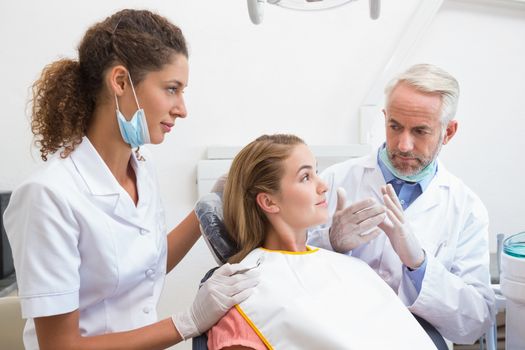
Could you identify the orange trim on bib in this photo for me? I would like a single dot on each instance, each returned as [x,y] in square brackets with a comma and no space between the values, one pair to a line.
[254,327]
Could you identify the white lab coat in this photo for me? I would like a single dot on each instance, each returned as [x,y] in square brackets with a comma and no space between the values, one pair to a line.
[451,224]
[79,242]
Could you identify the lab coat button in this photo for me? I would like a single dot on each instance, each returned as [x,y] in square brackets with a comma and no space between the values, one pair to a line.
[143,231]
[150,273]
[146,309]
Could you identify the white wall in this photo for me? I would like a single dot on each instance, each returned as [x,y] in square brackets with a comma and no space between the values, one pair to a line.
[297,72]
[482,43]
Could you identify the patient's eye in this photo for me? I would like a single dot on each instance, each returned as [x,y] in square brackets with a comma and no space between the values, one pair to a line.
[305,177]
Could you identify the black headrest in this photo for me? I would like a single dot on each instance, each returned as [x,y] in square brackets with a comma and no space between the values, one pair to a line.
[209,213]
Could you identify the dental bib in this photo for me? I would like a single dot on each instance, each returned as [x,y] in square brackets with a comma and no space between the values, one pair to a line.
[323,300]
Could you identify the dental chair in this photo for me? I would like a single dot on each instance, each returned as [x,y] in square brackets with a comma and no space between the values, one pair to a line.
[210,215]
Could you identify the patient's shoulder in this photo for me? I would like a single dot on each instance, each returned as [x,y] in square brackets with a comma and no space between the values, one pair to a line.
[233,331]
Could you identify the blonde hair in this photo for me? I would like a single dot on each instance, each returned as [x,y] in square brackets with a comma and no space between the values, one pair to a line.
[257,168]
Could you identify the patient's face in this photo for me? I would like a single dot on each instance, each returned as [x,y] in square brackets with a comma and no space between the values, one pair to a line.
[301,200]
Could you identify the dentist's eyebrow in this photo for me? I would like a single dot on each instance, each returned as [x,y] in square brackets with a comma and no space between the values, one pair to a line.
[422,128]
[393,121]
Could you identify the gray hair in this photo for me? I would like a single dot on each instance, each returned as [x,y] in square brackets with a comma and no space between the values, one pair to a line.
[431,79]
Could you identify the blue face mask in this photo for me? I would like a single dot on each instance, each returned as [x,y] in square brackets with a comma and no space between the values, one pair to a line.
[135,131]
[429,170]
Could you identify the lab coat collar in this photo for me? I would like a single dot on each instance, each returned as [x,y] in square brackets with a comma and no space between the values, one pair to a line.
[93,170]
[102,184]
[431,197]
[375,180]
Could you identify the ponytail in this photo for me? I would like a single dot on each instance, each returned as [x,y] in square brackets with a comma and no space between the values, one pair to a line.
[60,110]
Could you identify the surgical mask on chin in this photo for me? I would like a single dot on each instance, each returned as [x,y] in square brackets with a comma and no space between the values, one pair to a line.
[429,170]
[135,131]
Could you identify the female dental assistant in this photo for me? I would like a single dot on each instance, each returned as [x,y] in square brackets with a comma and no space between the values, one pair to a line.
[88,230]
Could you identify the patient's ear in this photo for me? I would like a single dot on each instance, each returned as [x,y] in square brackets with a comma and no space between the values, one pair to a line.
[266,203]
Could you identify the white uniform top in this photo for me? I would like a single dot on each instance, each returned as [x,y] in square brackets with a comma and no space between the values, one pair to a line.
[79,242]
[322,300]
[451,224]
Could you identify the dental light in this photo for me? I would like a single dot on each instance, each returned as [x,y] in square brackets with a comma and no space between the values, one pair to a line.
[256,7]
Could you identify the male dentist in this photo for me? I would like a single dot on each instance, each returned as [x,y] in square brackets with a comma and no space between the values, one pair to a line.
[431,245]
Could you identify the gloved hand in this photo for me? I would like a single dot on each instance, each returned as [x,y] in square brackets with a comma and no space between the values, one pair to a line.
[405,244]
[356,224]
[229,285]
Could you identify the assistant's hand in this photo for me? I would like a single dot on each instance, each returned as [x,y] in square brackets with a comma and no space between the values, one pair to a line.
[356,224]
[403,241]
[228,286]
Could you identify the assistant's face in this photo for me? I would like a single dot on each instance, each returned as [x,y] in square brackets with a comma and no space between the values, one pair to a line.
[301,199]
[413,128]
[160,94]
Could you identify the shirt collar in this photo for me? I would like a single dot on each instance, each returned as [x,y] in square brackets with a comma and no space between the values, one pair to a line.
[389,177]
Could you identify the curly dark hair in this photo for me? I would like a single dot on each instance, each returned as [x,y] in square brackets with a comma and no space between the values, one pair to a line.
[65,95]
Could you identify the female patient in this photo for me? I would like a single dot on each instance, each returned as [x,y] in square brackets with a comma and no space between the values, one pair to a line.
[308,298]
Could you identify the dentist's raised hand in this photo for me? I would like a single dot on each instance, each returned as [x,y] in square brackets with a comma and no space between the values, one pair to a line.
[405,244]
[356,224]
[229,285]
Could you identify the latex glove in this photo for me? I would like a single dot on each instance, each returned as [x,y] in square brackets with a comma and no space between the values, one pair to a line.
[229,285]
[356,224]
[218,186]
[405,244]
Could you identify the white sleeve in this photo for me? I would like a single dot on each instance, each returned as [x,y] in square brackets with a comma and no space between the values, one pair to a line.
[460,302]
[44,236]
